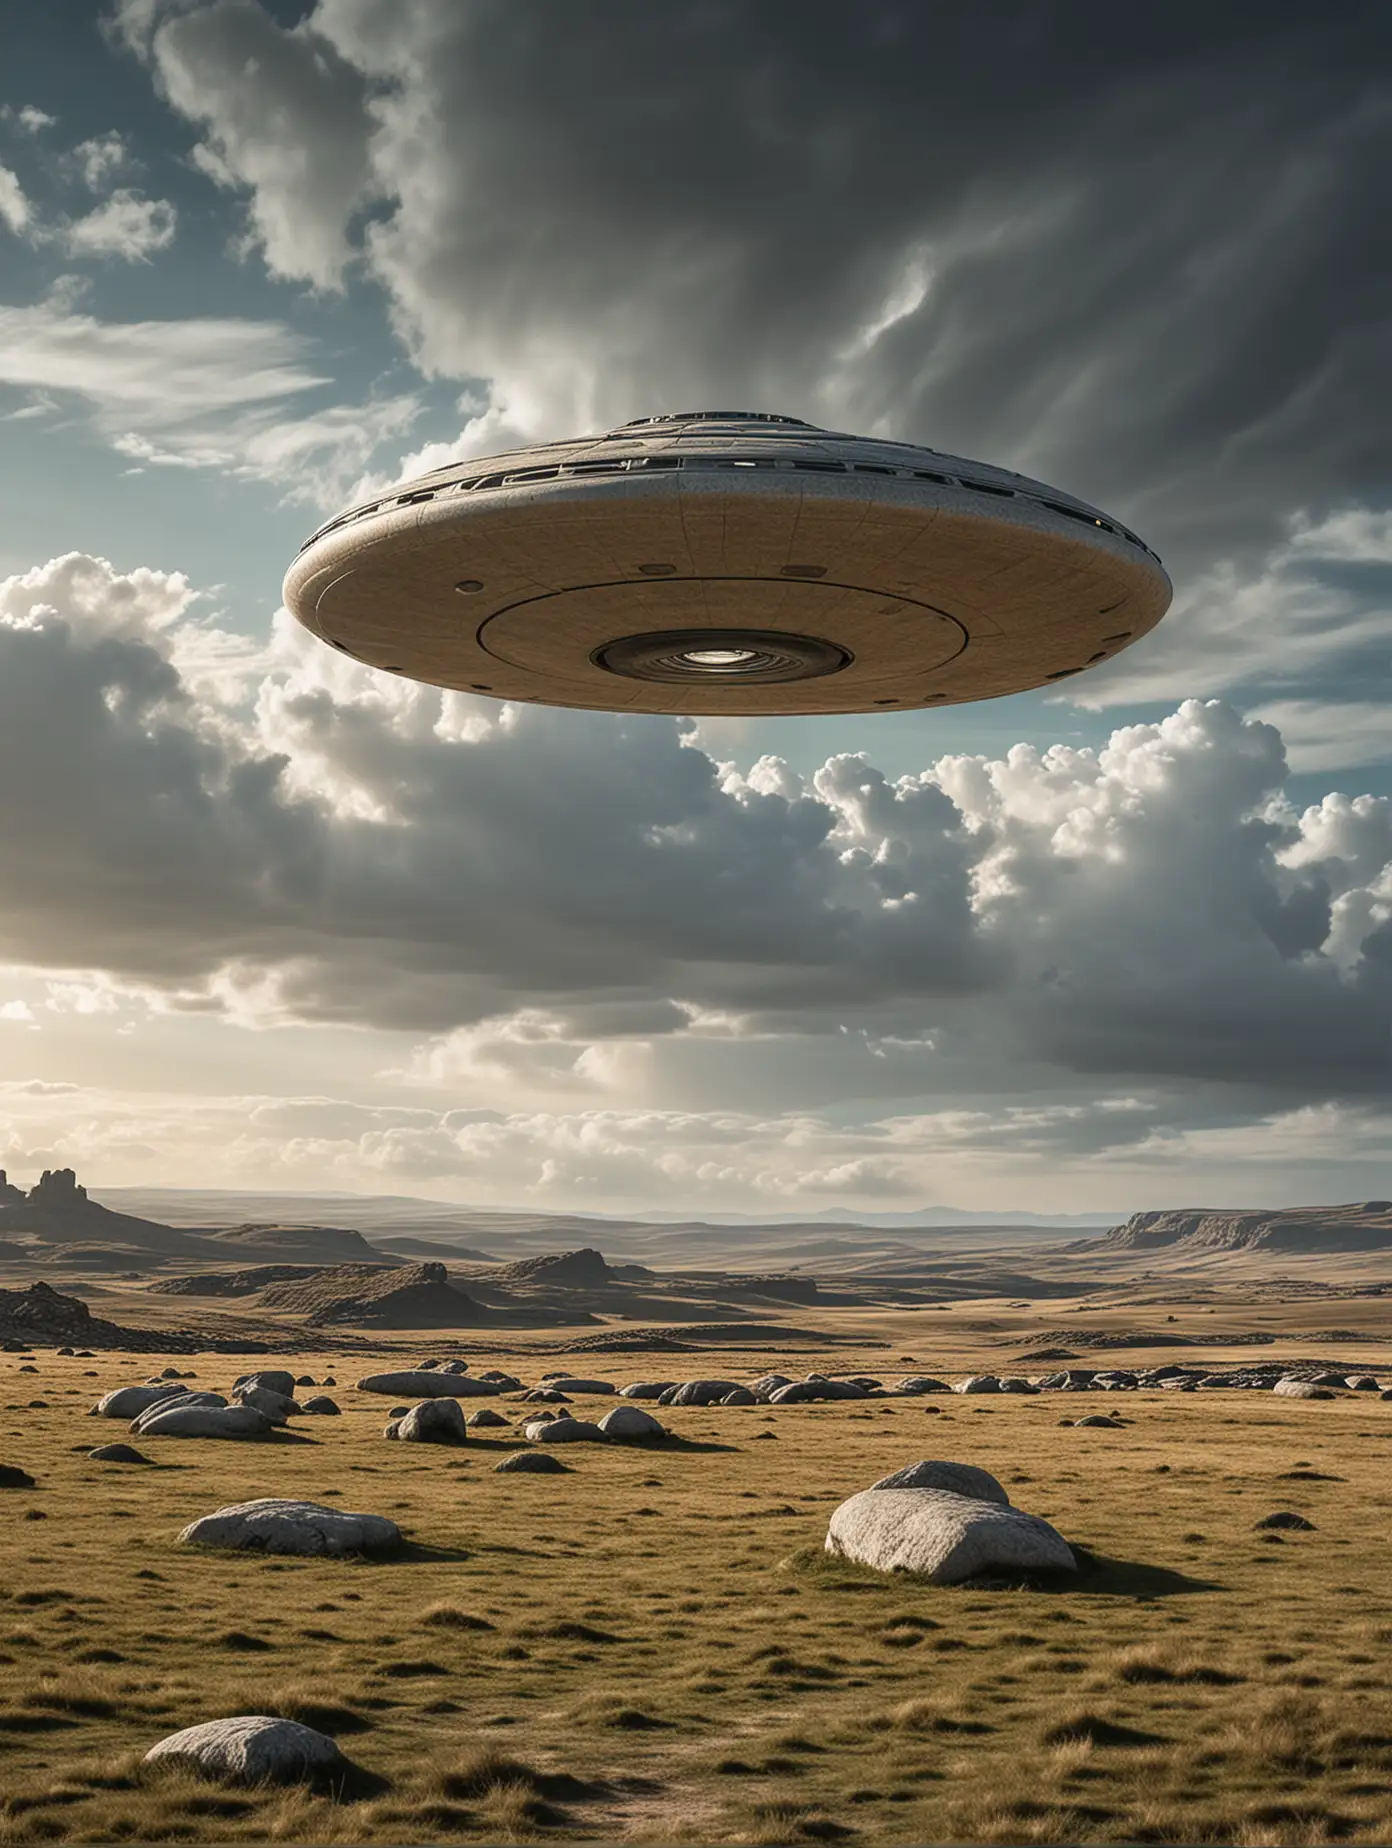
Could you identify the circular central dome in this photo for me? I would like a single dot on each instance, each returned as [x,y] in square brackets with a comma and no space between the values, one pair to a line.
[728,562]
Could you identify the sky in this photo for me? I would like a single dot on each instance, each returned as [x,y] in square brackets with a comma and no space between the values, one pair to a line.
[271,919]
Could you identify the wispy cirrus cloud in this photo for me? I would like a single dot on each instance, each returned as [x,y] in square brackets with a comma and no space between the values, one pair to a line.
[234,396]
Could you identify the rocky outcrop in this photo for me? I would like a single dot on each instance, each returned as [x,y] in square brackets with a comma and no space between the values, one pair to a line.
[583,1269]
[272,1525]
[944,1538]
[1363,1226]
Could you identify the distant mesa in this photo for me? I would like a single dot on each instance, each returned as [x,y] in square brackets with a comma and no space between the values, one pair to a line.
[9,1194]
[1315,1230]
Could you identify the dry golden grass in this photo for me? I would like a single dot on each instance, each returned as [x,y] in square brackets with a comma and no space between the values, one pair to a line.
[654,1648]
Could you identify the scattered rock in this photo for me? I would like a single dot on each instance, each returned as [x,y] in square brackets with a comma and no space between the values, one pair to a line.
[563,1431]
[117,1453]
[428,1385]
[253,1749]
[697,1392]
[180,1402]
[273,1405]
[433,1421]
[207,1421]
[304,1379]
[273,1381]
[741,1396]
[1098,1421]
[957,1478]
[647,1389]
[628,1424]
[943,1537]
[1293,1523]
[455,1366]
[1301,1389]
[486,1416]
[129,1401]
[978,1382]
[545,1395]
[1361,1382]
[12,1477]
[1014,1384]
[922,1382]
[565,1383]
[321,1406]
[272,1525]
[813,1389]
[531,1463]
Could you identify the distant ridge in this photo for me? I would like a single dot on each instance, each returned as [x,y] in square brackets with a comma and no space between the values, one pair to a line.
[1365,1226]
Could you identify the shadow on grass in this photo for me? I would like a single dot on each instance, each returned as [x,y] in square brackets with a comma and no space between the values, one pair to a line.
[1096,1576]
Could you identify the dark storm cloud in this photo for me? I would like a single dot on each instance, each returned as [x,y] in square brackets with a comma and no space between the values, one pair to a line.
[1150,242]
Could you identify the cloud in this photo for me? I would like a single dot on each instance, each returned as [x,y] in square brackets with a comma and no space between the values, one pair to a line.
[1128,254]
[285,115]
[99,159]
[126,225]
[215,393]
[15,211]
[560,909]
[28,117]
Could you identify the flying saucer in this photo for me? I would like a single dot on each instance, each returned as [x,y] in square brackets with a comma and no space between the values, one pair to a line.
[728,563]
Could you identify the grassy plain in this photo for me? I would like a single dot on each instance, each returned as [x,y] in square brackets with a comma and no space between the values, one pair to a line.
[654,1648]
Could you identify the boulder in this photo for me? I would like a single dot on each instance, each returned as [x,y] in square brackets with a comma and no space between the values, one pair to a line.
[1292,1523]
[455,1366]
[426,1366]
[12,1477]
[207,1421]
[179,1401]
[433,1421]
[117,1453]
[978,1382]
[1361,1382]
[1335,1380]
[426,1385]
[485,1416]
[814,1389]
[1301,1389]
[320,1406]
[630,1424]
[740,1396]
[273,1405]
[272,1525]
[771,1382]
[1098,1421]
[274,1381]
[1014,1384]
[957,1478]
[566,1383]
[531,1463]
[545,1395]
[563,1431]
[942,1537]
[304,1379]
[922,1382]
[647,1389]
[253,1749]
[129,1401]
[698,1392]
[502,1382]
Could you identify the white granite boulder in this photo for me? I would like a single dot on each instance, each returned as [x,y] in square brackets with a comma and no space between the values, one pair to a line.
[252,1749]
[922,1382]
[207,1421]
[942,1537]
[1301,1389]
[273,1525]
[698,1392]
[978,1382]
[957,1478]
[630,1424]
[433,1421]
[566,1383]
[418,1385]
[646,1389]
[176,1402]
